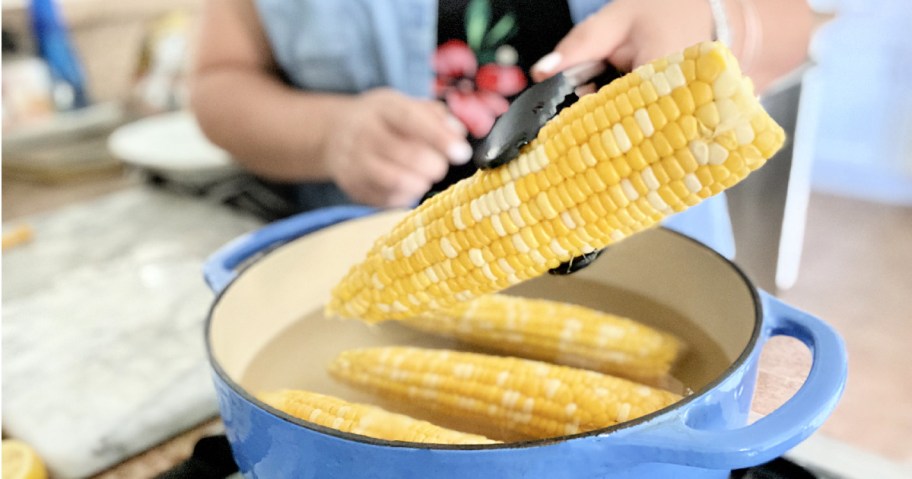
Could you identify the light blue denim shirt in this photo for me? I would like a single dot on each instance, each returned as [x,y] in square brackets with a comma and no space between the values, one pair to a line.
[349,46]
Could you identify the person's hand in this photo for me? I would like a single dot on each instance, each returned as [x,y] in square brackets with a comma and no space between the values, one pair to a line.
[388,149]
[629,33]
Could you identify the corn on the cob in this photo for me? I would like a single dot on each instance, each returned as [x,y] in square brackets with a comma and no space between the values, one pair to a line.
[530,398]
[363,419]
[557,332]
[649,144]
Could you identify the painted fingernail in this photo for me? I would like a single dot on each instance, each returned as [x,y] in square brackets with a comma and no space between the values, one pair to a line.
[459,153]
[584,90]
[456,125]
[547,63]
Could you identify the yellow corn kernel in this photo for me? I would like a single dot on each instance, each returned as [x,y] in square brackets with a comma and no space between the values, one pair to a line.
[708,115]
[363,419]
[648,93]
[700,92]
[636,99]
[624,107]
[684,99]
[522,397]
[689,69]
[684,130]
[709,66]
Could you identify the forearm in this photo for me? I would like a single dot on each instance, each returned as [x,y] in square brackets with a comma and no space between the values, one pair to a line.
[771,37]
[242,105]
[271,129]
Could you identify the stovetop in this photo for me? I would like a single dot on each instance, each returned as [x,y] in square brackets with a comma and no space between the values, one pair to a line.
[212,459]
[780,468]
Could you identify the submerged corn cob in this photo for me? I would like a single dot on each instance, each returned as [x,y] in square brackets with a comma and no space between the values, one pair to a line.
[530,398]
[557,332]
[363,419]
[652,143]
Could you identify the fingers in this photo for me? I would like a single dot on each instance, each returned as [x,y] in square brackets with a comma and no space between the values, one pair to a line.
[379,182]
[392,185]
[626,57]
[594,39]
[422,160]
[393,148]
[390,169]
[428,122]
[444,114]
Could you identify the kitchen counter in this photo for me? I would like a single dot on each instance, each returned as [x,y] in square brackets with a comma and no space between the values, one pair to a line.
[74,385]
[102,325]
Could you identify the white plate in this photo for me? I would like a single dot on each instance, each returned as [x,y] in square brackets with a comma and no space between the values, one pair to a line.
[171,144]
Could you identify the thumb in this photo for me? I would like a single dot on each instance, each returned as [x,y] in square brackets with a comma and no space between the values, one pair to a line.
[594,39]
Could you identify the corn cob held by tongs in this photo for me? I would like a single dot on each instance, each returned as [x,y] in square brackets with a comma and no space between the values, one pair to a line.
[654,142]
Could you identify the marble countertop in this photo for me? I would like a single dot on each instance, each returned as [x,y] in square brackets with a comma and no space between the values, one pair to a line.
[103,351]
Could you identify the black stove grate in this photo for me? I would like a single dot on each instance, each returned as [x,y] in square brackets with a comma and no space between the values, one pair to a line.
[780,468]
[212,459]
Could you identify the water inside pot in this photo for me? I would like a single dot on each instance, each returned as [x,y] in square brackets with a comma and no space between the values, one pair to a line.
[297,356]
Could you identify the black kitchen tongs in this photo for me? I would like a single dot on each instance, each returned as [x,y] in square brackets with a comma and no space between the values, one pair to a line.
[528,114]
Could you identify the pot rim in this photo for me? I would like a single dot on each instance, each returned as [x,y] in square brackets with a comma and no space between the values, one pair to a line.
[680,405]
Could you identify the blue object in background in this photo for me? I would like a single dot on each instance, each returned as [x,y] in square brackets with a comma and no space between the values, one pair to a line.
[708,223]
[55,47]
[858,92]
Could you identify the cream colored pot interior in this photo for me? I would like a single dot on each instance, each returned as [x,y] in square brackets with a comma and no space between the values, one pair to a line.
[268,329]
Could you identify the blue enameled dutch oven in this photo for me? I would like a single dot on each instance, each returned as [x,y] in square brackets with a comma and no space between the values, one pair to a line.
[266,330]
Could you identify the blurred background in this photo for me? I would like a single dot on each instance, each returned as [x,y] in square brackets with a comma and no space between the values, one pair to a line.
[112,198]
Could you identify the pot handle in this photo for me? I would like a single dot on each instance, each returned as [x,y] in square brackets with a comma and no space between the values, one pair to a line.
[783,428]
[220,267]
